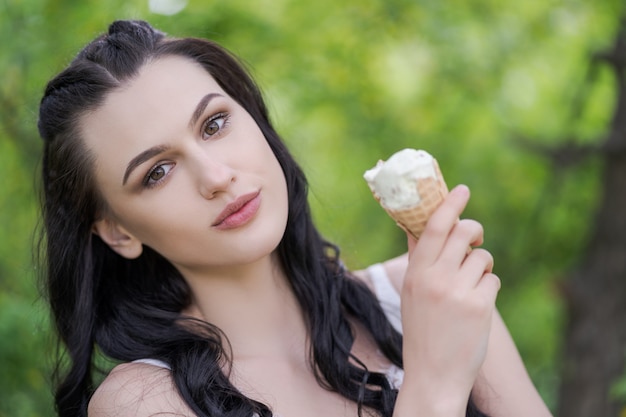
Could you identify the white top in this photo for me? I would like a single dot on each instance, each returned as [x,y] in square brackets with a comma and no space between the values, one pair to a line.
[389,300]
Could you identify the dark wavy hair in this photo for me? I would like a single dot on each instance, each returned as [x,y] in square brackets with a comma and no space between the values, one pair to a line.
[131,309]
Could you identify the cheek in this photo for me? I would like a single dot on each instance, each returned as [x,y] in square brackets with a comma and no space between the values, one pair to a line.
[277,177]
[156,220]
[175,237]
[282,197]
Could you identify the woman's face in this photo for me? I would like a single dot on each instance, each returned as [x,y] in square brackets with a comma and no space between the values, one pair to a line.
[185,170]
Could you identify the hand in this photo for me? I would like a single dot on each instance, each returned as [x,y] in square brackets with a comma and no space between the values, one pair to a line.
[448,298]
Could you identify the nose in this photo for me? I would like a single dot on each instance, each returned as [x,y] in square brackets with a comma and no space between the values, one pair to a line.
[214,176]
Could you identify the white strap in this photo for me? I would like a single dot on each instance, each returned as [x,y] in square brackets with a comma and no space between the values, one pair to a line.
[153,362]
[387,295]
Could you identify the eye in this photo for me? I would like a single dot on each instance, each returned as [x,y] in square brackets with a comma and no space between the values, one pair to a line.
[157,174]
[214,125]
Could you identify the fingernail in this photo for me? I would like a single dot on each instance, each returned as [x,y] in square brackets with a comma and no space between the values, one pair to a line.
[460,189]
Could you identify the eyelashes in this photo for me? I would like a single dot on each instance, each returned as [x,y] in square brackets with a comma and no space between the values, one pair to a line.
[157,174]
[215,125]
[212,128]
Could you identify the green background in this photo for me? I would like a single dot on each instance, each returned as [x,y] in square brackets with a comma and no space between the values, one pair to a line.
[348,83]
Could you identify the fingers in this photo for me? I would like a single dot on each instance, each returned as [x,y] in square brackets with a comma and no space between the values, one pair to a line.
[445,242]
[489,285]
[465,233]
[441,224]
[478,263]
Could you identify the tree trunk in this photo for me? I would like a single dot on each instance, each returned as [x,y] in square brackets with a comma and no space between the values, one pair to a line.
[595,340]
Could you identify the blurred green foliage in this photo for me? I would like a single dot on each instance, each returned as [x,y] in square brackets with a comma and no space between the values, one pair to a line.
[348,83]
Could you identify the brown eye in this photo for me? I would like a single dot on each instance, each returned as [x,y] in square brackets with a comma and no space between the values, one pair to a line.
[214,125]
[212,128]
[157,173]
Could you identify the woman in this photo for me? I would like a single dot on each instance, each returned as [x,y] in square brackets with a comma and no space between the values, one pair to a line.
[179,243]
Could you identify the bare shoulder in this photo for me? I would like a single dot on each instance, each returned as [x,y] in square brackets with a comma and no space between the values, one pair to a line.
[137,389]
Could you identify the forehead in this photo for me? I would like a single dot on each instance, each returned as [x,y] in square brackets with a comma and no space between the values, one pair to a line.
[152,108]
[166,80]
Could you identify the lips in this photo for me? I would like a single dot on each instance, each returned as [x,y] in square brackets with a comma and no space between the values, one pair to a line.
[239,212]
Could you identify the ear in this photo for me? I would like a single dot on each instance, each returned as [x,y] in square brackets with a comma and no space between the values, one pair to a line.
[118,239]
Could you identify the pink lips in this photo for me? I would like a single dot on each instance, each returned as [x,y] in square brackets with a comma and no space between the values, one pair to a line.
[239,212]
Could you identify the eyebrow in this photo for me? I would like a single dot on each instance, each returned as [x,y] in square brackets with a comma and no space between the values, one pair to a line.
[141,158]
[201,106]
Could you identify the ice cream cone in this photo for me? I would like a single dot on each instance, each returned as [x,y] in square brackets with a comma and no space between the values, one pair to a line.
[432,192]
[409,186]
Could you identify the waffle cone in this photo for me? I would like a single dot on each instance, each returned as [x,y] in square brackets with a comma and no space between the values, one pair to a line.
[432,191]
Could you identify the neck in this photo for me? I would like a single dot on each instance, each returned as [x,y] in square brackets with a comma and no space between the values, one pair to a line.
[253,305]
